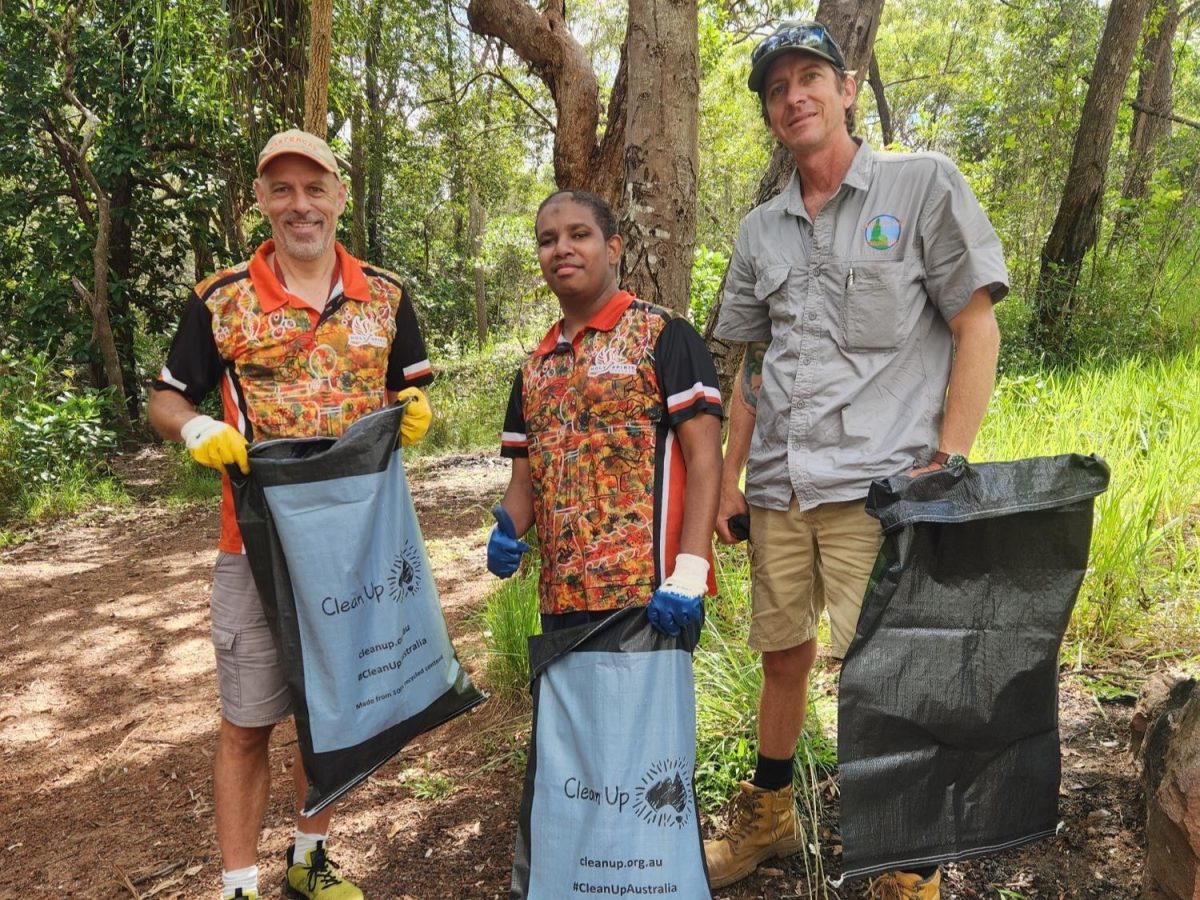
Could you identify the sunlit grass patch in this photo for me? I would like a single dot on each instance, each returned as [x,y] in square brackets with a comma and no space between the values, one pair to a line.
[1143,419]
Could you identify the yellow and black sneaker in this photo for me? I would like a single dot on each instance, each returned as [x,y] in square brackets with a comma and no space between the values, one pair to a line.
[316,878]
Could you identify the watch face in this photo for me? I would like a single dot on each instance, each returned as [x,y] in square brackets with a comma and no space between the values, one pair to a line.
[955,459]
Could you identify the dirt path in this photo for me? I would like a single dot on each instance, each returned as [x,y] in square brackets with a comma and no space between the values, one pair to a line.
[108,707]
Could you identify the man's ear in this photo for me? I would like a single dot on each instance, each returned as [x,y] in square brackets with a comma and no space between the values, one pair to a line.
[258,194]
[850,89]
[615,246]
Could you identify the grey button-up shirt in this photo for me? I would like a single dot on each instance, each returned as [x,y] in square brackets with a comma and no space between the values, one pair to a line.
[854,306]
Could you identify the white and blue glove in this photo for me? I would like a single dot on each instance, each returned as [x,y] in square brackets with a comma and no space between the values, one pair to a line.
[679,601]
[504,551]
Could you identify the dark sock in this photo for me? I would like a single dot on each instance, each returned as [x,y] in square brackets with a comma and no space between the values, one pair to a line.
[772,774]
[924,872]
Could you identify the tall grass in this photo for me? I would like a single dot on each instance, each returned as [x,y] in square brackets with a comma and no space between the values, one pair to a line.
[509,617]
[1143,418]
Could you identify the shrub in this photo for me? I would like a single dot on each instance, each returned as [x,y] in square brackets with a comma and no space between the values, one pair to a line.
[52,431]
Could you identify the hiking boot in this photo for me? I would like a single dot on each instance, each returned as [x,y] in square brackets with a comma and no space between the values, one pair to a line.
[763,826]
[907,886]
[316,878]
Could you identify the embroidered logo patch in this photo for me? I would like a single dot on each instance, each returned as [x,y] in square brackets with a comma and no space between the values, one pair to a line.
[882,232]
[608,360]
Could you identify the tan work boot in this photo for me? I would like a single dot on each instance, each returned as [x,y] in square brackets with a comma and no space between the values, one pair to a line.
[764,825]
[907,886]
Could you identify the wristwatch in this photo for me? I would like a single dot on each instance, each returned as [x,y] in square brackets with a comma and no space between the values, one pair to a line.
[948,460]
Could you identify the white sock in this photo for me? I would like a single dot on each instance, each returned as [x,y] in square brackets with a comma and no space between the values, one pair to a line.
[246,879]
[305,842]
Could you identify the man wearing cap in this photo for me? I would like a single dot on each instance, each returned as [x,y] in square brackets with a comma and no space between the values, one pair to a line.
[863,293]
[301,341]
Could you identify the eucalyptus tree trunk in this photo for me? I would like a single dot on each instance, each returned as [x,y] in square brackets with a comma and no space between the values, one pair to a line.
[1077,223]
[1151,109]
[582,158]
[316,82]
[375,145]
[476,221]
[358,181]
[658,209]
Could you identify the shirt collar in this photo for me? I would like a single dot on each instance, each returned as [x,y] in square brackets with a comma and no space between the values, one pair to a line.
[272,295]
[858,176]
[605,319]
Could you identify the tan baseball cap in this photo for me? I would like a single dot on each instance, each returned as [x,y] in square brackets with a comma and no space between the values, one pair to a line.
[298,143]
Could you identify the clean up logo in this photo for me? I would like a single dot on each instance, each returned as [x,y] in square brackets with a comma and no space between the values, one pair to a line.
[664,795]
[882,232]
[404,580]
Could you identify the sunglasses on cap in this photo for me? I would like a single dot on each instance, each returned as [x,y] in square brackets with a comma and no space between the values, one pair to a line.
[812,37]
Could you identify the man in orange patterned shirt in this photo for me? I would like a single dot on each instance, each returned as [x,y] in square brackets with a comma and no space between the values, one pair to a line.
[301,341]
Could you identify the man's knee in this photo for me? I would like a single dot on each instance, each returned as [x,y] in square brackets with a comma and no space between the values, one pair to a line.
[242,741]
[790,666]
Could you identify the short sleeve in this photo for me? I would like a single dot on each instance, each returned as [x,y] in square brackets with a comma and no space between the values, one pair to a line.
[194,365]
[513,442]
[743,316]
[961,250]
[408,361]
[686,373]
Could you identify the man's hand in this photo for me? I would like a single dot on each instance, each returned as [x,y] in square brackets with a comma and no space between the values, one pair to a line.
[417,416]
[215,444]
[504,551]
[679,601]
[733,503]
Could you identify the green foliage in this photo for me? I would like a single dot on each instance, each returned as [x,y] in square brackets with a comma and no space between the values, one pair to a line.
[708,271]
[469,396]
[1142,417]
[509,618]
[49,447]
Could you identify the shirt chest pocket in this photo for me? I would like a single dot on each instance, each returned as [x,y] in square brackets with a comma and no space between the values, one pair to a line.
[771,289]
[871,303]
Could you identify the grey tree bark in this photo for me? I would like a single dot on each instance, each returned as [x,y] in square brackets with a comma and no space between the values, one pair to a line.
[661,165]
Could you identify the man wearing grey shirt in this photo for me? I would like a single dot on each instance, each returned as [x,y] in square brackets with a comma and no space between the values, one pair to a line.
[863,293]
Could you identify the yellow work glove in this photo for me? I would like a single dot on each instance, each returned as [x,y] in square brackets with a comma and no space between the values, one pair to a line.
[417,416]
[215,444]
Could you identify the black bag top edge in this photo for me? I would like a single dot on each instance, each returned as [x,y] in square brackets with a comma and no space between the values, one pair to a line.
[311,459]
[987,490]
[626,631]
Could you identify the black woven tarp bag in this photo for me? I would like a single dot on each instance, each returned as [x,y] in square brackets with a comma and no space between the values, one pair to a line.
[609,805]
[948,738]
[339,561]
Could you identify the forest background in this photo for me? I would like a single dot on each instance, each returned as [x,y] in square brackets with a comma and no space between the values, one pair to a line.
[128,136]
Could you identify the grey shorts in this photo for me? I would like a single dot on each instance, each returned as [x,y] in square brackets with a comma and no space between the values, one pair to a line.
[250,679]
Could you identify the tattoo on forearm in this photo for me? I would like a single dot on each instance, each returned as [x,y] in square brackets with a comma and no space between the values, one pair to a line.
[752,364]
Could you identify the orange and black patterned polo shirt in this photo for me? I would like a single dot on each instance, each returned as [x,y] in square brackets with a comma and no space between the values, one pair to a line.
[284,369]
[595,417]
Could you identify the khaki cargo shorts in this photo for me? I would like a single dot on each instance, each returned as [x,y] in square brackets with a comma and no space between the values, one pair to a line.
[250,679]
[804,562]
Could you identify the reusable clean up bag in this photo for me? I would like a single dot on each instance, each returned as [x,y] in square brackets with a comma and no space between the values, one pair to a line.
[609,806]
[339,561]
[948,739]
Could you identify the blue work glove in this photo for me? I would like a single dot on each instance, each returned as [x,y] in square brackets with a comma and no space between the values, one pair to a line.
[679,601]
[504,551]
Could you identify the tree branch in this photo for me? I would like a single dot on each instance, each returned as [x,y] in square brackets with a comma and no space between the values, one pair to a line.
[1143,108]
